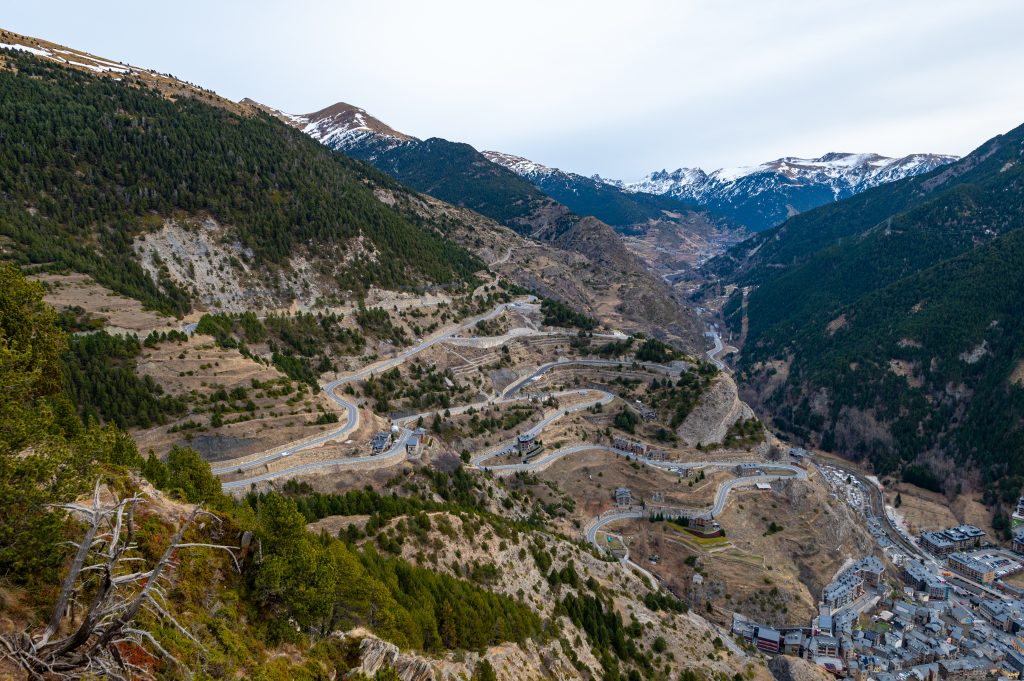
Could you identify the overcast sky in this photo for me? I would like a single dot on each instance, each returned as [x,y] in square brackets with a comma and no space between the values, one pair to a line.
[616,88]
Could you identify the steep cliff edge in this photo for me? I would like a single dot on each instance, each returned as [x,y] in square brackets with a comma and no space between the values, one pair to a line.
[719,408]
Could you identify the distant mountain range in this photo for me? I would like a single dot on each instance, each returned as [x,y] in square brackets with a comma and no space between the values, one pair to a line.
[765,195]
[888,326]
[754,197]
[628,211]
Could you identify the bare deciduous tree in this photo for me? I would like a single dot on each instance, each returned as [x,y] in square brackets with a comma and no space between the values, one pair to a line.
[108,593]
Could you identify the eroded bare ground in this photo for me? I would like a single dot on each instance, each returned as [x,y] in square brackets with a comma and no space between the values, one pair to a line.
[676,246]
[925,511]
[621,294]
[775,577]
[117,313]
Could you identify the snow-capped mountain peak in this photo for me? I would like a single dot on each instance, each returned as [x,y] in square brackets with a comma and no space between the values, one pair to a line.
[341,126]
[335,125]
[845,169]
[763,195]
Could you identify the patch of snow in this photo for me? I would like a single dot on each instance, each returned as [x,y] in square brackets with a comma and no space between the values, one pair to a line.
[39,52]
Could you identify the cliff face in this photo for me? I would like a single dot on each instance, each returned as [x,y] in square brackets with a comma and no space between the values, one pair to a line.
[719,408]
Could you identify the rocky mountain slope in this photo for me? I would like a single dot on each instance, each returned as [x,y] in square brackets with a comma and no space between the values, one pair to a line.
[459,175]
[884,325]
[669,235]
[765,195]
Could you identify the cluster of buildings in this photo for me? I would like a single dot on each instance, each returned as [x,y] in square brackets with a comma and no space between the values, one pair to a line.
[631,446]
[911,638]
[386,439]
[961,548]
[849,584]
[821,640]
[945,542]
[941,639]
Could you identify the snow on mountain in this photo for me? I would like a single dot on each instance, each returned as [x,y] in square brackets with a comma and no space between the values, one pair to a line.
[341,125]
[524,167]
[764,195]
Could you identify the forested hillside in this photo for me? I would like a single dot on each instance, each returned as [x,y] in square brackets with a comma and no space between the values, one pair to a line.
[458,174]
[89,162]
[886,326]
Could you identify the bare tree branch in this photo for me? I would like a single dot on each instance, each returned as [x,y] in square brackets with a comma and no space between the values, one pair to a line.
[118,594]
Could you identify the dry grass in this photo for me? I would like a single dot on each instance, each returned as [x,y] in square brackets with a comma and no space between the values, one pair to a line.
[122,315]
[198,366]
[925,511]
[776,578]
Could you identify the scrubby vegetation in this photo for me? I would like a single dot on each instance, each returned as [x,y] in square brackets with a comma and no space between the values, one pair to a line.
[557,313]
[293,586]
[676,400]
[423,388]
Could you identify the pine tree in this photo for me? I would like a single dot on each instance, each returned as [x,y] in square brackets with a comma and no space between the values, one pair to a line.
[449,632]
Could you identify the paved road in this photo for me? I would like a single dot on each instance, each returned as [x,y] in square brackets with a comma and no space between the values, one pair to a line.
[600,397]
[721,497]
[598,523]
[519,332]
[351,421]
[713,352]
[518,385]
[393,455]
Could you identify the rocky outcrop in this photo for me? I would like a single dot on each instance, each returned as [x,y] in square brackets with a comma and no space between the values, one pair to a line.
[788,668]
[375,654]
[719,408]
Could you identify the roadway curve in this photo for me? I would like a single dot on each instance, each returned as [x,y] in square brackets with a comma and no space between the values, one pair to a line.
[721,497]
[714,352]
[351,411]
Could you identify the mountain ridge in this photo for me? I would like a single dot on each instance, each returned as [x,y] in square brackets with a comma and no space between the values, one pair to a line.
[458,174]
[764,195]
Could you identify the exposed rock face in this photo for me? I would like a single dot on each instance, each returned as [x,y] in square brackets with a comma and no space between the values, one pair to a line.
[376,654]
[719,408]
[788,668]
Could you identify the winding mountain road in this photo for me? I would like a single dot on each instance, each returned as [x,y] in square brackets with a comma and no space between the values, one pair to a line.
[351,421]
[721,497]
[714,352]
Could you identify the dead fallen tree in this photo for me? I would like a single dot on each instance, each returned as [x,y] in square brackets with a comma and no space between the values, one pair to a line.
[101,598]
